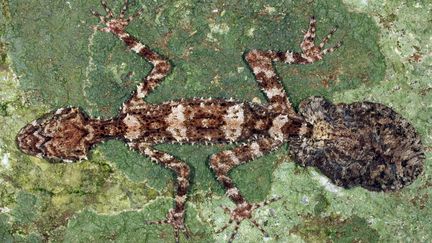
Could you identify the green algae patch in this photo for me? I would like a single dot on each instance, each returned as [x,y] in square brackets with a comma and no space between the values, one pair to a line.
[7,234]
[58,60]
[5,229]
[322,204]
[26,210]
[135,166]
[132,226]
[334,229]
[262,180]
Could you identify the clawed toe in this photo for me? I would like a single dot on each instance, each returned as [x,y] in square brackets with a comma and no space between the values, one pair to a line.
[113,23]
[331,49]
[244,212]
[311,52]
[327,38]
[176,222]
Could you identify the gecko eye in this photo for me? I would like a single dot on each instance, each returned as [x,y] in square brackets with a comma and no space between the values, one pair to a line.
[362,143]
[61,135]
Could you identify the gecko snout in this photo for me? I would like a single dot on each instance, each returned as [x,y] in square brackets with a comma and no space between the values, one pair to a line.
[28,139]
[62,135]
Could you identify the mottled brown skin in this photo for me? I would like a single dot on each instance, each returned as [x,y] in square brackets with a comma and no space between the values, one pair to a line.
[365,144]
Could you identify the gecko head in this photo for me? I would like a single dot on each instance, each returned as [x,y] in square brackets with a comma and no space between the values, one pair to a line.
[61,135]
[364,143]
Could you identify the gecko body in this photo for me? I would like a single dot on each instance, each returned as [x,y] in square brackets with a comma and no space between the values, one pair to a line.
[361,144]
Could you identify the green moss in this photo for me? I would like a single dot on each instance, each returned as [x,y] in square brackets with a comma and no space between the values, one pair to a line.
[131,226]
[334,229]
[26,210]
[18,227]
[322,204]
[5,229]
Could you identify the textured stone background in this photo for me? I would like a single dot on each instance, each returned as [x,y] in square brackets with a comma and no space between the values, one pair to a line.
[51,58]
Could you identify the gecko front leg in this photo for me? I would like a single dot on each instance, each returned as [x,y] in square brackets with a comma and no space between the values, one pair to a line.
[223,162]
[161,66]
[175,216]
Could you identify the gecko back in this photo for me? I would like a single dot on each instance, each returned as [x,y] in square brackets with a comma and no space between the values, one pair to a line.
[363,143]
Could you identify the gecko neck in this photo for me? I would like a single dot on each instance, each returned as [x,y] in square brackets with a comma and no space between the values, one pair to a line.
[103,130]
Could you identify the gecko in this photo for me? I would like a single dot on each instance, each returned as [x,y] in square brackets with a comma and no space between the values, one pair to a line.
[359,144]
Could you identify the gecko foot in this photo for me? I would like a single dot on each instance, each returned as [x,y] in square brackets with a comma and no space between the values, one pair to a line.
[311,52]
[114,24]
[244,212]
[176,220]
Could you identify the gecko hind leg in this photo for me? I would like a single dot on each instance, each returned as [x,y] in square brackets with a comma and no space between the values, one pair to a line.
[176,215]
[237,221]
[309,36]
[261,63]
[109,18]
[221,163]
[107,9]
[311,52]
